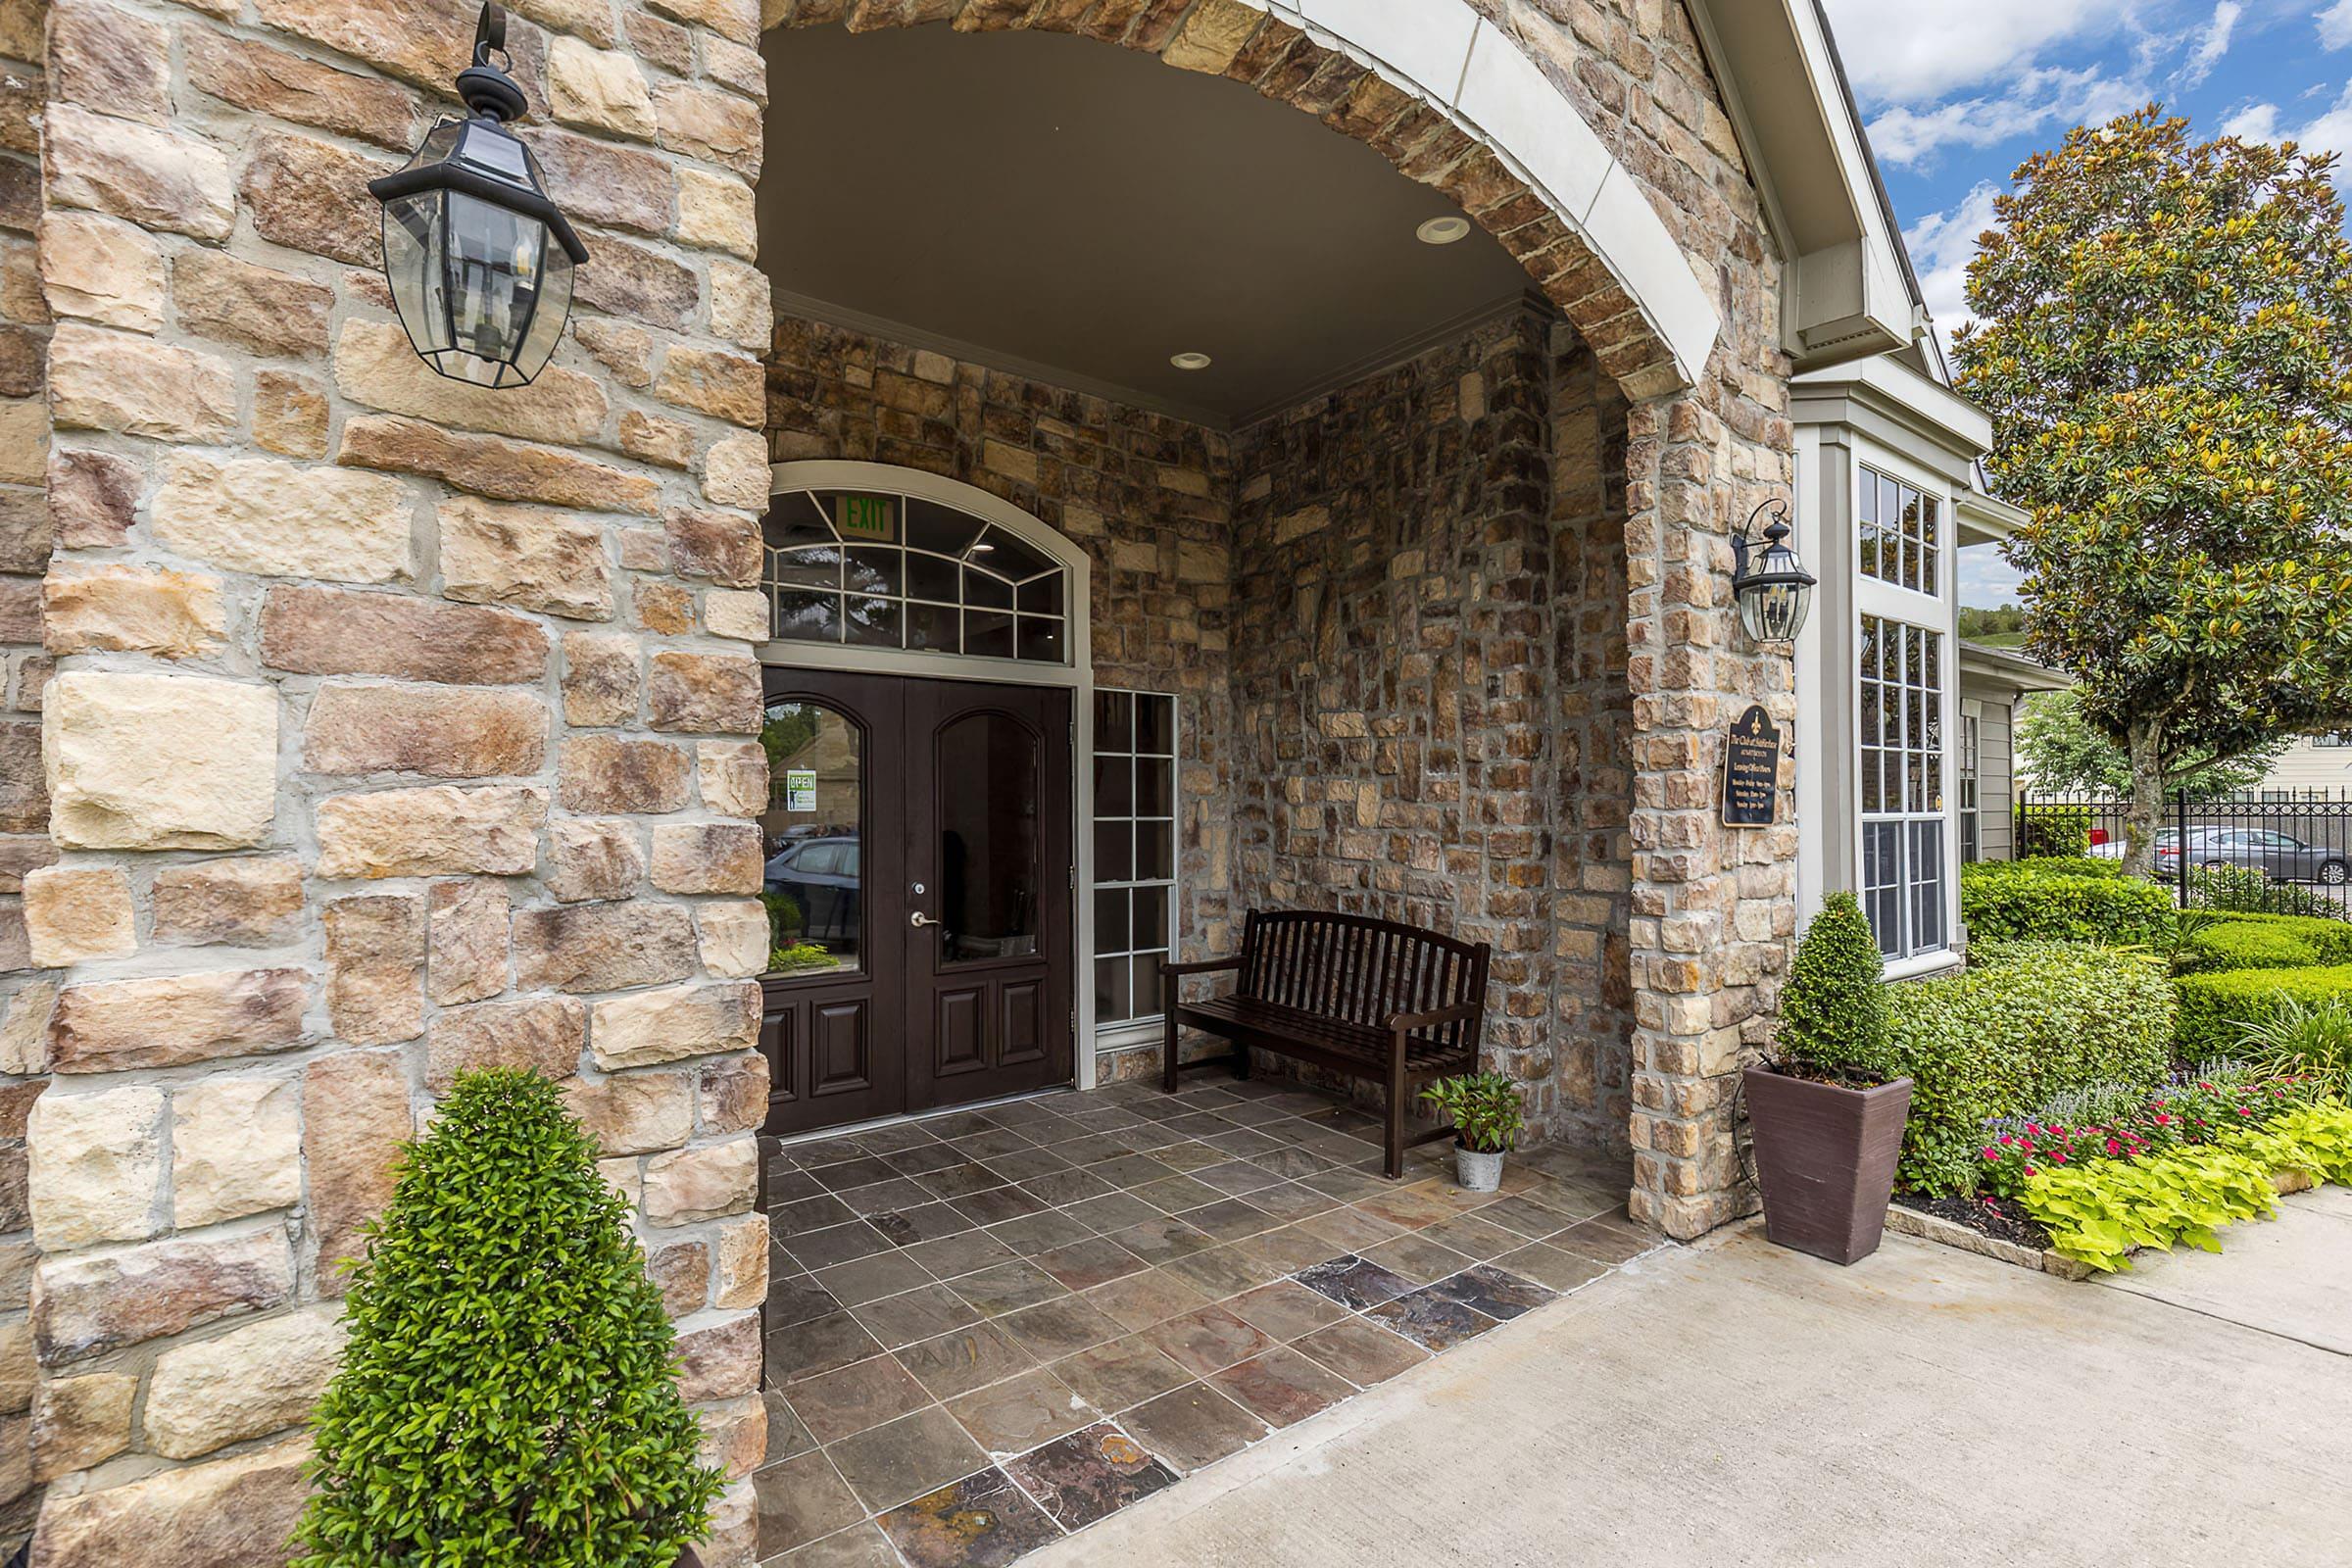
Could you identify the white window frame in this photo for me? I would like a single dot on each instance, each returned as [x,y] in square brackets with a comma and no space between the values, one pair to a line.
[1936,613]
[1111,1034]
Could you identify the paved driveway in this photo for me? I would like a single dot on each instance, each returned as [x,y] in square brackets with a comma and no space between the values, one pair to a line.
[1735,1403]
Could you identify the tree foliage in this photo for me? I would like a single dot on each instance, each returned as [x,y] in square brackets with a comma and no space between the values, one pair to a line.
[509,1395]
[2063,751]
[2163,341]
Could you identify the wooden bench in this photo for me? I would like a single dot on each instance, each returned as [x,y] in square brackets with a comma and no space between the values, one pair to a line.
[1382,1000]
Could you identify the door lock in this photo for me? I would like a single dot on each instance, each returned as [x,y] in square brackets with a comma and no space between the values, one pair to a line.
[919,918]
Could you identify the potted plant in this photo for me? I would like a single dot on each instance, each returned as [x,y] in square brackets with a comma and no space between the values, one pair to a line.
[1827,1120]
[1485,1108]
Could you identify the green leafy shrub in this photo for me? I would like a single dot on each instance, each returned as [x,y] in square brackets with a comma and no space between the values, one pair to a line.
[2245,889]
[509,1395]
[2243,945]
[1833,1007]
[2025,1021]
[2218,1010]
[2053,831]
[2022,902]
[800,956]
[2058,865]
[1484,1107]
[2329,938]
[2307,1040]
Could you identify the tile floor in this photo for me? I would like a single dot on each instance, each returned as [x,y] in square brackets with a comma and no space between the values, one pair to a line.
[990,1328]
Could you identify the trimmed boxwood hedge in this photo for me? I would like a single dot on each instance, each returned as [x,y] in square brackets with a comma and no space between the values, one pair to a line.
[2051,900]
[2025,1021]
[2215,1007]
[2236,946]
[2330,939]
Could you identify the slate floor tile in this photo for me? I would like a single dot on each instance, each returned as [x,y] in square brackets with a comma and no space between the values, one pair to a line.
[820,1345]
[862,1545]
[1139,1301]
[1546,1264]
[1281,1387]
[1417,1259]
[966,1359]
[1605,1241]
[955,1255]
[836,1245]
[1354,1282]
[1023,1412]
[840,1404]
[1008,1287]
[1089,1475]
[1209,1340]
[918,1314]
[1058,1328]
[1083,1265]
[800,1501]
[1120,1374]
[1431,1320]
[1360,1351]
[1285,1310]
[1162,1240]
[982,1521]
[1495,1292]
[1192,1425]
[903,1459]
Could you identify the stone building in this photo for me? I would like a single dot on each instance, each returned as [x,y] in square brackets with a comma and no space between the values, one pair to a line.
[364,727]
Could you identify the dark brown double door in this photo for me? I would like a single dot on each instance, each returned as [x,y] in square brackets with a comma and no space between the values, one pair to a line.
[919,882]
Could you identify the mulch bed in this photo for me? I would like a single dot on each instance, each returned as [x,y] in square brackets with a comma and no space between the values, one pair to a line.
[1996,1217]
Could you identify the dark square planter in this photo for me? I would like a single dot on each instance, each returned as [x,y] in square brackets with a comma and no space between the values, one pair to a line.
[1825,1158]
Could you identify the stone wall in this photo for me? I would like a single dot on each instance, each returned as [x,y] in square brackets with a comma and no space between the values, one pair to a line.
[1148,495]
[24,799]
[397,727]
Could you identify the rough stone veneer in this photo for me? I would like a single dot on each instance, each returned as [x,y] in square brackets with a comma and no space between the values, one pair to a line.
[397,727]
[1710,910]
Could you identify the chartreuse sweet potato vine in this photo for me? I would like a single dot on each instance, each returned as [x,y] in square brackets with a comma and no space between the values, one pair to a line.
[2163,341]
[2098,1214]
[510,1395]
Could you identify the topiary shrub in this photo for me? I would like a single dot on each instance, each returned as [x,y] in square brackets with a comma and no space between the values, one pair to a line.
[2329,938]
[2053,831]
[2024,1022]
[1833,1007]
[2020,902]
[2215,1010]
[508,1394]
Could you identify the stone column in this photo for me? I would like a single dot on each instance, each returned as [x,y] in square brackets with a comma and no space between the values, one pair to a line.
[399,727]
[1712,907]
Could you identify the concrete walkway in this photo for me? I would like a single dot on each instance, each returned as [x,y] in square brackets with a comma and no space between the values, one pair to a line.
[1735,1403]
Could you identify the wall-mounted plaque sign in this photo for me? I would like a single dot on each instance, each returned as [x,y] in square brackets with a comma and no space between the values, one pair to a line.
[1751,771]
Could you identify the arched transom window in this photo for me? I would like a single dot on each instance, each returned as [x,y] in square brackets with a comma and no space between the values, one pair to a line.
[870,569]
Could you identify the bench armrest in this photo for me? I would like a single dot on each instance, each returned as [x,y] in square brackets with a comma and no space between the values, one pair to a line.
[1210,966]
[1404,1022]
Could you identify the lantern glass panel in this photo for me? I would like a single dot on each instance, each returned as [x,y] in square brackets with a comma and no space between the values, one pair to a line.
[495,263]
[412,261]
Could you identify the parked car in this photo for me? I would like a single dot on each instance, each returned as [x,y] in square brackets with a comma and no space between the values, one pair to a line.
[2281,857]
[2109,847]
[821,876]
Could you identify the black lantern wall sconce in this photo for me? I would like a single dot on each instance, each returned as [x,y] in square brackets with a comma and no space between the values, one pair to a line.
[1773,588]
[479,259]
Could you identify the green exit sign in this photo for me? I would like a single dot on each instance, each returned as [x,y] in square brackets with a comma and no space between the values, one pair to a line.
[870,520]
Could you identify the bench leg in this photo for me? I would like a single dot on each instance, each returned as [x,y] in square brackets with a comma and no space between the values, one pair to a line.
[1241,1059]
[1167,1047]
[1395,1128]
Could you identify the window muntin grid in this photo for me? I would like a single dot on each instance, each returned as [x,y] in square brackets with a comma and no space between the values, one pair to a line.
[1134,853]
[866,568]
[1901,532]
[1900,787]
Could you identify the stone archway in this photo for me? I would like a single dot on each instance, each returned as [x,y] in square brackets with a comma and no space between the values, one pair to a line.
[1446,97]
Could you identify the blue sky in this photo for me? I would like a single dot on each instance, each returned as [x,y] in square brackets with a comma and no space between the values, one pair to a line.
[1957,93]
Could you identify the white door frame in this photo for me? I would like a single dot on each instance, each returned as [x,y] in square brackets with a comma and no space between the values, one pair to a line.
[1076,676]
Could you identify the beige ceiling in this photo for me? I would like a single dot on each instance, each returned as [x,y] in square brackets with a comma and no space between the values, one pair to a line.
[1068,208]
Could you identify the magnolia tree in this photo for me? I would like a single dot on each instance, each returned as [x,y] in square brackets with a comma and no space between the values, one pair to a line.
[2058,749]
[2163,341]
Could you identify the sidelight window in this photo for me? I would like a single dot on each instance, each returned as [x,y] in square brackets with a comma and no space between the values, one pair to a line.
[1134,853]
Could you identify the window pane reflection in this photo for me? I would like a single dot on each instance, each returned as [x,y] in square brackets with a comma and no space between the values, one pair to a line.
[989,848]
[814,886]
[1135,851]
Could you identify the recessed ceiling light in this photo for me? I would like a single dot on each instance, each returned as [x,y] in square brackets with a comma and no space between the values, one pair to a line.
[1190,359]
[1443,230]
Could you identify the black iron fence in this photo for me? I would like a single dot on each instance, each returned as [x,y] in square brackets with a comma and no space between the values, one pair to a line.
[2303,837]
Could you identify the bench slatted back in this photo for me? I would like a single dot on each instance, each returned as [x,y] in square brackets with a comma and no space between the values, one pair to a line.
[1362,970]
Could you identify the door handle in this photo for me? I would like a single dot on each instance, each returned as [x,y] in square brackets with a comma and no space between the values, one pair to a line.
[919,918]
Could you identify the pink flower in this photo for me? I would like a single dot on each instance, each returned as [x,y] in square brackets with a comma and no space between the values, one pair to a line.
[2164,1121]
[2114,1148]
[2031,1171]
[2007,1139]
[2057,1159]
[1992,1153]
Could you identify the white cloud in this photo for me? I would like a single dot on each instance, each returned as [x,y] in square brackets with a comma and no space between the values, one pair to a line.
[1926,50]
[2037,99]
[2329,132]
[1942,245]
[2335,24]
[2214,43]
